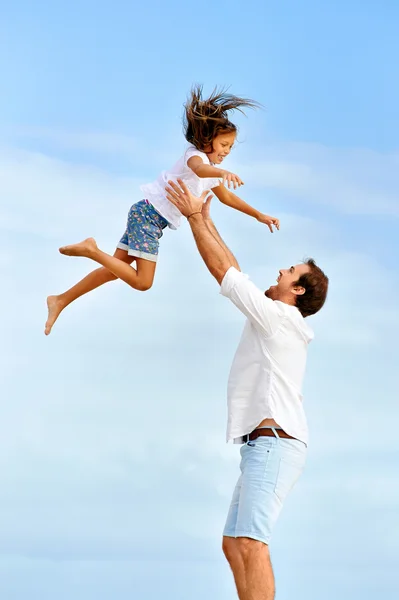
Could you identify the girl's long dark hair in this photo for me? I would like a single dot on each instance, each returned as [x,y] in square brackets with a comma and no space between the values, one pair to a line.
[205,119]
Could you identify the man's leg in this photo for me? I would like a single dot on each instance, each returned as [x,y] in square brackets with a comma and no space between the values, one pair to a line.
[231,549]
[258,572]
[265,481]
[251,566]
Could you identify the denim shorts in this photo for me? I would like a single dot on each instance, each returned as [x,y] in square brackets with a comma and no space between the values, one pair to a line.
[144,228]
[270,467]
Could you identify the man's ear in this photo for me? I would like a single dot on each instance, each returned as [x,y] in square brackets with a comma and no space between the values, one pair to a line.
[298,290]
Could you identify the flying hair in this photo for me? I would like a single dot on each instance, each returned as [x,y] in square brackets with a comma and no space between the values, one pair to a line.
[204,119]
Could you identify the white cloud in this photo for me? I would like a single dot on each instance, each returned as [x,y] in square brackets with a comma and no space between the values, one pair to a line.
[97,142]
[351,181]
[47,197]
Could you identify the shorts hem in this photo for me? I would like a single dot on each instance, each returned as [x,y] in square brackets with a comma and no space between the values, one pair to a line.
[122,246]
[229,534]
[252,536]
[138,253]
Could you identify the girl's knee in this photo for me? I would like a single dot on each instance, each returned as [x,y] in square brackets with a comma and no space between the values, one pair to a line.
[144,286]
[145,274]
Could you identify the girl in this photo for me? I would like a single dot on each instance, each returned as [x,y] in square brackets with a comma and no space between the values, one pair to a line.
[211,136]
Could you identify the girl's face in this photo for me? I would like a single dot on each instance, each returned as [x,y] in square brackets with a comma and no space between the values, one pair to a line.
[222,145]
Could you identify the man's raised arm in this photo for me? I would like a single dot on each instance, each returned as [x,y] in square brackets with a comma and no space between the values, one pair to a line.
[211,226]
[213,250]
[236,286]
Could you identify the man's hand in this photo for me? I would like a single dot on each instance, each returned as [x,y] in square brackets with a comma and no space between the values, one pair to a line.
[213,250]
[269,221]
[206,208]
[183,199]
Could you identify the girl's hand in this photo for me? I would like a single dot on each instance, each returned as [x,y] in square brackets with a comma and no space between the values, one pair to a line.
[269,221]
[231,179]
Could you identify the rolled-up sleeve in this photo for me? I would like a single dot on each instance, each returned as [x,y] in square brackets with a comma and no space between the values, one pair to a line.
[251,301]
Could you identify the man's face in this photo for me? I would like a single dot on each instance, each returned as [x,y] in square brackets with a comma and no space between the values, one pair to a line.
[285,289]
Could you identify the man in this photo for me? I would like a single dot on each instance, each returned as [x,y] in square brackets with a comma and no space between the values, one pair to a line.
[265,411]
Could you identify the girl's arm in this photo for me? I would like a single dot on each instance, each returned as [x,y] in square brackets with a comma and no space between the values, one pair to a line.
[229,199]
[196,164]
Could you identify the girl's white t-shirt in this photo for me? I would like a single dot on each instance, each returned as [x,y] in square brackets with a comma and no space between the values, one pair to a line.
[155,192]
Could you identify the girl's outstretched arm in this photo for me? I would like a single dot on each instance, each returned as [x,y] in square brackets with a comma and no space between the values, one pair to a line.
[229,199]
[196,164]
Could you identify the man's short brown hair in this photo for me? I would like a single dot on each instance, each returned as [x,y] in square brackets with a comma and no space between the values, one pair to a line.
[315,283]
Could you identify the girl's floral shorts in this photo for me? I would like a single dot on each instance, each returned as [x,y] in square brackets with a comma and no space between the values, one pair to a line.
[143,229]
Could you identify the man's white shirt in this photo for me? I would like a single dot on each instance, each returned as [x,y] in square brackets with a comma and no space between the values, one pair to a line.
[266,376]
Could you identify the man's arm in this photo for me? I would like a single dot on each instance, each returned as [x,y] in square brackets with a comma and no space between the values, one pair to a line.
[215,255]
[211,226]
[220,261]
[211,247]
[251,301]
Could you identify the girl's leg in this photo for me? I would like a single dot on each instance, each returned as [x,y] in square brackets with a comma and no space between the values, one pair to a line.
[139,279]
[93,280]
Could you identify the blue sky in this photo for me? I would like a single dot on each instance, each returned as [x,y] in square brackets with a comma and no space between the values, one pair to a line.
[115,478]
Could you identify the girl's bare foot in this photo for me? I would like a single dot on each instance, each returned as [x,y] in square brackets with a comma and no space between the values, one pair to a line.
[55,306]
[86,248]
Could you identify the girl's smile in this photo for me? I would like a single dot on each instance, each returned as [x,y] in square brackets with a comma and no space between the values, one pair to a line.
[221,147]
